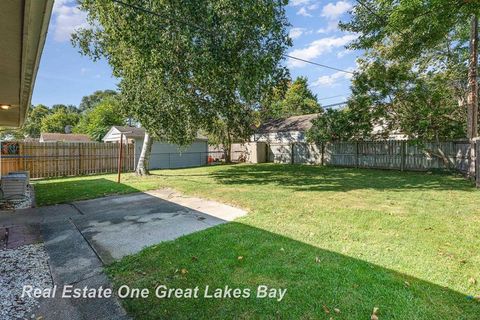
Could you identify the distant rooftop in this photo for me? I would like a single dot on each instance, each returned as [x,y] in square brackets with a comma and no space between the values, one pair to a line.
[295,123]
[64,137]
[133,132]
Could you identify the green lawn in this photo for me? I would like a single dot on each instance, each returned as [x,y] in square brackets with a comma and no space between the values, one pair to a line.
[407,243]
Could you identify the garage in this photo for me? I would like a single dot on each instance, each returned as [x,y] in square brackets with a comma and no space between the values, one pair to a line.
[164,155]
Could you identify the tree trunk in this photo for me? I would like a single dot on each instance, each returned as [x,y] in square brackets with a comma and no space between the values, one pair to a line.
[472,99]
[228,149]
[143,160]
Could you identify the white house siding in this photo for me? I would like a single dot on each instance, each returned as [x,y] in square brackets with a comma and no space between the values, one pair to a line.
[284,137]
[167,155]
[280,144]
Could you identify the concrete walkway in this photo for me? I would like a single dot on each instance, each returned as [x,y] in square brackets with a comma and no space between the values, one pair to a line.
[121,225]
[81,237]
[71,262]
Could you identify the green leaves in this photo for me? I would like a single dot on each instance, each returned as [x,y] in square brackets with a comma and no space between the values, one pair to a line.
[333,125]
[413,75]
[408,28]
[292,99]
[98,119]
[57,121]
[185,66]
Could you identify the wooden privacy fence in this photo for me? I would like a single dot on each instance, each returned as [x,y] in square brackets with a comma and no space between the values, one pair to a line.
[59,159]
[390,154]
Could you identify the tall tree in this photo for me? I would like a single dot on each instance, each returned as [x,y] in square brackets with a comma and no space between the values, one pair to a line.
[67,108]
[393,95]
[413,31]
[32,125]
[472,100]
[224,132]
[97,120]
[185,66]
[298,99]
[59,120]
[333,125]
[92,100]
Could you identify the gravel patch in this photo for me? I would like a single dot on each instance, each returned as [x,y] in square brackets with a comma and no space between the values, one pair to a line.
[28,201]
[26,265]
[24,203]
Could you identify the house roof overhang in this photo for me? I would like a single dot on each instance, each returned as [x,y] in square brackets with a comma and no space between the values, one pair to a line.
[23,29]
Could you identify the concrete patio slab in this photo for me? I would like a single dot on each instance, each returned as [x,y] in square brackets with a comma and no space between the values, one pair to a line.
[17,236]
[122,225]
[71,258]
[80,237]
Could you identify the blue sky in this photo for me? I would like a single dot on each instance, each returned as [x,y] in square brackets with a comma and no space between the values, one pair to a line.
[65,76]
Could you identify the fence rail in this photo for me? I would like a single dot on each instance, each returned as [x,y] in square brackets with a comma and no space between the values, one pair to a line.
[390,154]
[48,160]
[58,159]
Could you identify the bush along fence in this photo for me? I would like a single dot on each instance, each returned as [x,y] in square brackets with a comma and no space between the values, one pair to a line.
[390,154]
[58,159]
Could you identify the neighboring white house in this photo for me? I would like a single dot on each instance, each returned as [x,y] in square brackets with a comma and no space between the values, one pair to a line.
[129,134]
[164,155]
[380,130]
[293,130]
[283,131]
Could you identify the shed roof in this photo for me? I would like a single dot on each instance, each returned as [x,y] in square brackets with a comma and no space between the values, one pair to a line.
[131,132]
[134,132]
[295,123]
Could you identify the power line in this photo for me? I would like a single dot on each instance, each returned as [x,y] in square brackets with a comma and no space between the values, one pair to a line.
[326,98]
[335,104]
[144,10]
[317,64]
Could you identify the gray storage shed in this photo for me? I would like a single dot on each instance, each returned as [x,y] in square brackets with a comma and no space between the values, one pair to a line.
[164,155]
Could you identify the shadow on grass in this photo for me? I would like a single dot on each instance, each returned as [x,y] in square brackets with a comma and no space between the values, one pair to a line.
[325,178]
[316,280]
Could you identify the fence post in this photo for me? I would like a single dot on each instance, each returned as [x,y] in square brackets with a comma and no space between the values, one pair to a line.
[56,157]
[292,155]
[80,159]
[403,152]
[356,155]
[477,161]
[322,150]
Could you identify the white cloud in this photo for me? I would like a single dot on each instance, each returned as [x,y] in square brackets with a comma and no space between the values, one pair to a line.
[296,32]
[83,71]
[59,4]
[306,7]
[333,79]
[343,53]
[296,3]
[332,25]
[334,11]
[317,48]
[67,18]
[303,12]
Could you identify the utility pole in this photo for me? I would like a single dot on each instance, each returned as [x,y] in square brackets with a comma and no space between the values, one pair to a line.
[472,98]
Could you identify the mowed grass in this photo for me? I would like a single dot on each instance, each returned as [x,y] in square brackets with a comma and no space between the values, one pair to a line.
[351,239]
